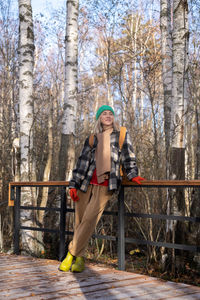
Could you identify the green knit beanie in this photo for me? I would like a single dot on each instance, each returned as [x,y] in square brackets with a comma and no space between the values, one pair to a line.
[103,108]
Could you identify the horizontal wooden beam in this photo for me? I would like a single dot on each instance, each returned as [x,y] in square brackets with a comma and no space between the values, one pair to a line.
[126,183]
[40,183]
[146,183]
[149,183]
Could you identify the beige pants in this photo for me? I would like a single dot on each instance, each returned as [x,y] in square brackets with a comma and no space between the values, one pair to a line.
[88,211]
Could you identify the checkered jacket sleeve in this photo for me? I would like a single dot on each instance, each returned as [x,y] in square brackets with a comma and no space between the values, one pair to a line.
[82,166]
[128,158]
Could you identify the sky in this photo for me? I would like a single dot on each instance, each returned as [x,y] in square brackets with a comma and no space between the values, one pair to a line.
[41,6]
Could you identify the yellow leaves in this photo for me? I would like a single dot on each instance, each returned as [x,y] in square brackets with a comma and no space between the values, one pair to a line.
[135,251]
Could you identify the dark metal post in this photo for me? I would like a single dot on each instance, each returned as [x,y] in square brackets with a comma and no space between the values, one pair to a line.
[62,223]
[17,220]
[121,236]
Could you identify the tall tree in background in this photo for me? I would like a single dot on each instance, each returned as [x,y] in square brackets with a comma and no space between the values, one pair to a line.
[26,62]
[180,37]
[167,72]
[166,47]
[175,75]
[67,149]
[8,91]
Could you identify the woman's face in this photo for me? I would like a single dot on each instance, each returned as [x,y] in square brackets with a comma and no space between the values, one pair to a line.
[106,118]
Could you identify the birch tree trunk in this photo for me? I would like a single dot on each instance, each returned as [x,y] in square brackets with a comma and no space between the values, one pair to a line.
[174,72]
[67,150]
[179,95]
[179,88]
[167,73]
[26,62]
[166,48]
[180,69]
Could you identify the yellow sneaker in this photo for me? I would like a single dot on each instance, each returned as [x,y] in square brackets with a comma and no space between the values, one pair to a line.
[79,265]
[66,263]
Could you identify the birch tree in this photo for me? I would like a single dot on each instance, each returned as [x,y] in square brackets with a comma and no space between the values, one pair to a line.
[26,62]
[179,88]
[180,36]
[167,72]
[66,159]
[166,48]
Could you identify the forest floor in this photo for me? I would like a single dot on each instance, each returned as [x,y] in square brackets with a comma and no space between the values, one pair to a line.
[138,264]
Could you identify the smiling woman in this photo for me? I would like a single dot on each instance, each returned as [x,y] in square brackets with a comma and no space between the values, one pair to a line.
[94,179]
[106,118]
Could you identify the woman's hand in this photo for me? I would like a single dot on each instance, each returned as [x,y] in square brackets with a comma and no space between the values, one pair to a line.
[73,195]
[137,179]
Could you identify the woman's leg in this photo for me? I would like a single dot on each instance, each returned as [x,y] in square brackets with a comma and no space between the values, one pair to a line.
[88,214]
[79,208]
[80,205]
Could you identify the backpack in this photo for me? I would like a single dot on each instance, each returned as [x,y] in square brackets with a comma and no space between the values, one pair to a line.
[121,142]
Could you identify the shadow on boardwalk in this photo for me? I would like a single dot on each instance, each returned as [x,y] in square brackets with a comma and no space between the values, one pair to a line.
[23,277]
[97,283]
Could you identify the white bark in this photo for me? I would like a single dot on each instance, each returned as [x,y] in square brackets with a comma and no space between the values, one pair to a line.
[67,148]
[180,96]
[26,49]
[26,52]
[174,72]
[166,48]
[180,69]
[134,37]
[167,73]
[71,68]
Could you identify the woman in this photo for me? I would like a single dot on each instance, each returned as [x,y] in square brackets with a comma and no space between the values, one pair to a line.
[95,178]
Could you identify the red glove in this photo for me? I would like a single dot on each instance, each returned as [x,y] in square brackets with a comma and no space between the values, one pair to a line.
[137,179]
[73,194]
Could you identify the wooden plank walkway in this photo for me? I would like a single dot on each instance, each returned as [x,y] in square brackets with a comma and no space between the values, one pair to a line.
[23,277]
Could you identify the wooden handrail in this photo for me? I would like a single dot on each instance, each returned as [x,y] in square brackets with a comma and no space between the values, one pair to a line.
[145,183]
[163,183]
[38,183]
[124,182]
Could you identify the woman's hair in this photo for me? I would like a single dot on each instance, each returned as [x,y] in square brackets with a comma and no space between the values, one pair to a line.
[98,126]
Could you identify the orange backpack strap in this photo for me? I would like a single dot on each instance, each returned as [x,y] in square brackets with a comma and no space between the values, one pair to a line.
[122,137]
[121,142]
[91,140]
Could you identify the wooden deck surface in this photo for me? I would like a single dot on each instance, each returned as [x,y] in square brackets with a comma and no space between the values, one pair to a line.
[23,277]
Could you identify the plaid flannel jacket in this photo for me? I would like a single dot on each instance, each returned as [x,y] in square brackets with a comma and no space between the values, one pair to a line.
[85,165]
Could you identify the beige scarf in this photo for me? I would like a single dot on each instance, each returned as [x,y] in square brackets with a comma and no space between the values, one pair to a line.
[102,155]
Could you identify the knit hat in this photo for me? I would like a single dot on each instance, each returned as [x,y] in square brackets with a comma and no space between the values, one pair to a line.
[103,108]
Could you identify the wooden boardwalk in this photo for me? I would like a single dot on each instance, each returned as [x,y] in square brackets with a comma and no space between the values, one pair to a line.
[23,277]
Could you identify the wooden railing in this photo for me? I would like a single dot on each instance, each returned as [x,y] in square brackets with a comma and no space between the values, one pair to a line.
[14,200]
